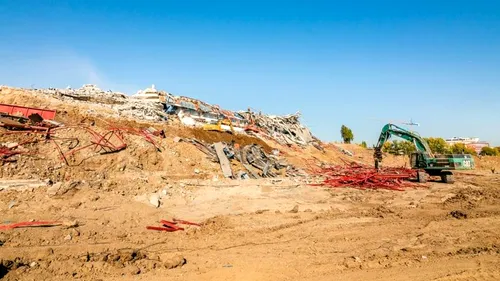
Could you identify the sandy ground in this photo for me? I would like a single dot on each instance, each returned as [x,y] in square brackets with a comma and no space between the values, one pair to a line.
[254,231]
[266,229]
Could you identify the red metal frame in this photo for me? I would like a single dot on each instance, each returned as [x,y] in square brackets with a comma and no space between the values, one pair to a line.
[11,109]
[29,224]
[363,177]
[171,226]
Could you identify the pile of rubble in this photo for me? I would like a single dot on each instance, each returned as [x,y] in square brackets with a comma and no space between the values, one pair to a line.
[256,163]
[153,105]
[284,129]
[88,92]
[121,104]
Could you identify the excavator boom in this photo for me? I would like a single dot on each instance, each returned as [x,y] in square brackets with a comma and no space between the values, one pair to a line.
[391,129]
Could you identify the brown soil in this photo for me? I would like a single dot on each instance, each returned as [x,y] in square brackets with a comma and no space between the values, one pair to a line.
[266,229]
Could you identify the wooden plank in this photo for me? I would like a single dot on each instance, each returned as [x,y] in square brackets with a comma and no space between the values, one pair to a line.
[224,162]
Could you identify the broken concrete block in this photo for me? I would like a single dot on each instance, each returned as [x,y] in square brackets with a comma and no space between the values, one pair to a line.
[53,189]
[295,209]
[60,188]
[224,162]
[172,262]
[154,200]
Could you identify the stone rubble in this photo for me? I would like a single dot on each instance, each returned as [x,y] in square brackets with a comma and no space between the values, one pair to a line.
[153,105]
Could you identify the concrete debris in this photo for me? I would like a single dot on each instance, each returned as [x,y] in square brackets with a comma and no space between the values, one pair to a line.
[170,262]
[150,94]
[154,200]
[12,204]
[59,188]
[87,92]
[154,105]
[294,210]
[252,157]
[21,185]
[284,129]
[118,104]
[223,160]
[242,175]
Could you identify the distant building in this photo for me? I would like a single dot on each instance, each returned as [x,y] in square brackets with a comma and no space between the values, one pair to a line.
[473,143]
[454,140]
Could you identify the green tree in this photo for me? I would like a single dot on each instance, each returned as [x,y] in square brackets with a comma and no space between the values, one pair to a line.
[387,147]
[459,148]
[489,151]
[407,147]
[395,147]
[438,145]
[363,144]
[346,133]
[399,147]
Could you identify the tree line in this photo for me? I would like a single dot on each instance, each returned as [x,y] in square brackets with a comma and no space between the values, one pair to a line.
[438,146]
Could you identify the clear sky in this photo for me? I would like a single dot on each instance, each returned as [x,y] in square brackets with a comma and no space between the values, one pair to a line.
[358,63]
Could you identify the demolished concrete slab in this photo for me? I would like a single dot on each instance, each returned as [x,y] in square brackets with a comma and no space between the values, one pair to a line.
[224,162]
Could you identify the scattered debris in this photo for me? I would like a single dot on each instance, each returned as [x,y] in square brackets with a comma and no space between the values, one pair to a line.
[284,129]
[154,200]
[173,262]
[241,175]
[6,153]
[21,185]
[171,226]
[458,214]
[363,177]
[294,210]
[185,222]
[29,224]
[60,188]
[12,203]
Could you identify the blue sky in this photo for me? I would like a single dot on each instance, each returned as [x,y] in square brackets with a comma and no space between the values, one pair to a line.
[358,63]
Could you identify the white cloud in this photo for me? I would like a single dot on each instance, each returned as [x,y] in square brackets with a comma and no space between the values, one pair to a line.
[55,68]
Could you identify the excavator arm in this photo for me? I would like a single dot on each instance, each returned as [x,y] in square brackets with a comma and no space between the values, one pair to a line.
[392,130]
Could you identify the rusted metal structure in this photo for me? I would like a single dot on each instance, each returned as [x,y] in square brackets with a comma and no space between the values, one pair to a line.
[16,110]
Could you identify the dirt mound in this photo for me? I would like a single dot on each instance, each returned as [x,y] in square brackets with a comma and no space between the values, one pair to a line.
[469,197]
[213,137]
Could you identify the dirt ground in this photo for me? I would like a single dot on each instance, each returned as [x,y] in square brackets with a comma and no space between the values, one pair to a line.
[264,229]
[253,231]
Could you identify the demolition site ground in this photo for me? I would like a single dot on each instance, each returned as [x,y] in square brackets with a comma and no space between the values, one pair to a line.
[96,208]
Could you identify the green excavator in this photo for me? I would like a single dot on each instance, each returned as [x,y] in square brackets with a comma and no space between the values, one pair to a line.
[423,159]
